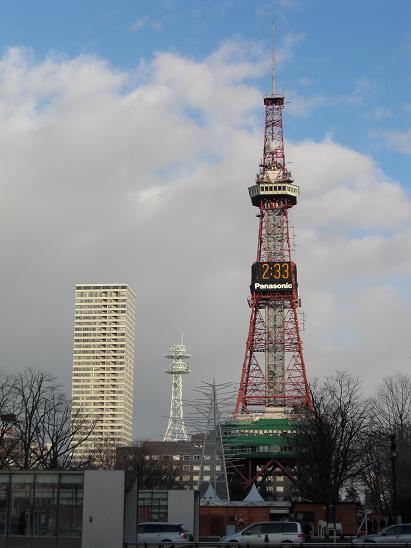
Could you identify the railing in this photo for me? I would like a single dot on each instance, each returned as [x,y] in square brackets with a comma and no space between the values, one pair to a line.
[354,542]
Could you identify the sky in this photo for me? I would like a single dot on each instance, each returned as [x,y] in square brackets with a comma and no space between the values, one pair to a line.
[130,132]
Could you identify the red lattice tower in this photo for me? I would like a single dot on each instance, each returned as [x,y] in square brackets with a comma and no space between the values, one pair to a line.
[273,372]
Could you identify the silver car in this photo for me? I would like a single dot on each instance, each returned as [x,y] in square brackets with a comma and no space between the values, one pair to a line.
[157,532]
[395,534]
[273,532]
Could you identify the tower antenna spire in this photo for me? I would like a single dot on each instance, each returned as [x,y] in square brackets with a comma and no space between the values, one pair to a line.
[272,60]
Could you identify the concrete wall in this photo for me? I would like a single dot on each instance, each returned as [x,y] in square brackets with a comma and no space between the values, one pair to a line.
[103,510]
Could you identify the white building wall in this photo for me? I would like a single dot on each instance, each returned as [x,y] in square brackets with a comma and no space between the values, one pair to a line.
[107,522]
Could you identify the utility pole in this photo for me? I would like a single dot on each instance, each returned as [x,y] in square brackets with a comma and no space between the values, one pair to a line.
[394,455]
[207,411]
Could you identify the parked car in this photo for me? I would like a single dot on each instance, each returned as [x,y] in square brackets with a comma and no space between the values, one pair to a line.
[273,532]
[395,534]
[156,532]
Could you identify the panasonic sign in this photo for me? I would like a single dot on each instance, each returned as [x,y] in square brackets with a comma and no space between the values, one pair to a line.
[272,287]
[273,277]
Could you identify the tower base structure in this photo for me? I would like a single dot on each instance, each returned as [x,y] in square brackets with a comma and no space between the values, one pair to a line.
[260,450]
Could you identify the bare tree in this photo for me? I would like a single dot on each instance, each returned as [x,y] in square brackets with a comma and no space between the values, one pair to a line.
[376,475]
[37,428]
[392,403]
[152,471]
[61,433]
[103,456]
[8,439]
[31,391]
[330,439]
[391,416]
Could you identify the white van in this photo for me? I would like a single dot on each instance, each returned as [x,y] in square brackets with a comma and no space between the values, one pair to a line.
[272,532]
[158,532]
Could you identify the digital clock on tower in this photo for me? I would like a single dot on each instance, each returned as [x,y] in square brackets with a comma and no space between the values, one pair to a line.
[272,277]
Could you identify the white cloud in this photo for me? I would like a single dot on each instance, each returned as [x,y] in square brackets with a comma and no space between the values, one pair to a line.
[287,46]
[109,179]
[302,106]
[305,81]
[274,9]
[398,140]
[381,113]
[146,22]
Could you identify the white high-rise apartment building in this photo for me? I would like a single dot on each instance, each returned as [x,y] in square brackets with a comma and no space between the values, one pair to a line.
[103,363]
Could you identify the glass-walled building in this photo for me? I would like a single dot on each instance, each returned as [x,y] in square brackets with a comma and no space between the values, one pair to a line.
[41,504]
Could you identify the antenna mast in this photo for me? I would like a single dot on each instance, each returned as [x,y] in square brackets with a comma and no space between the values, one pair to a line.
[272,61]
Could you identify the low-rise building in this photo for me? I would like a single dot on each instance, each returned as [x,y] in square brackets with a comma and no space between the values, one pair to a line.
[50,509]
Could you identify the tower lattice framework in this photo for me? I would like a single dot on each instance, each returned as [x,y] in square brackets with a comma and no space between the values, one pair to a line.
[176,429]
[273,372]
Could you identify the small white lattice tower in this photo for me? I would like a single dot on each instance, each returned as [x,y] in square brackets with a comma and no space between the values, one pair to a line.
[176,429]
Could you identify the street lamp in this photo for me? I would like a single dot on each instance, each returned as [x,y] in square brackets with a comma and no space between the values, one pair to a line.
[394,456]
